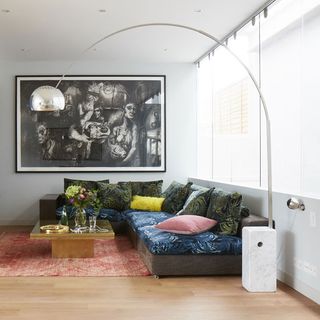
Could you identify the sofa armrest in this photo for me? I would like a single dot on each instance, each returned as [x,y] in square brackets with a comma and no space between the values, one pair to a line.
[252,221]
[48,205]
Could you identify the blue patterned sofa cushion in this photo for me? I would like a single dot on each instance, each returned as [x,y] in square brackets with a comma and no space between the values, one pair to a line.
[162,242]
[111,215]
[138,219]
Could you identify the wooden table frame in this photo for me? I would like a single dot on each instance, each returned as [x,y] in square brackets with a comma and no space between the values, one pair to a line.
[72,245]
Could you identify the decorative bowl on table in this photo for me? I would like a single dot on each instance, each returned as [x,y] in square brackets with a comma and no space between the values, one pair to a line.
[54,228]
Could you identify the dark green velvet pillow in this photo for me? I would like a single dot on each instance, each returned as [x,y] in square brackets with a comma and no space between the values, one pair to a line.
[145,188]
[244,211]
[199,205]
[175,200]
[114,196]
[89,185]
[225,208]
[173,185]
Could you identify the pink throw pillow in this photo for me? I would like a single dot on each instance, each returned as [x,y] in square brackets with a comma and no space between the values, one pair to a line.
[187,224]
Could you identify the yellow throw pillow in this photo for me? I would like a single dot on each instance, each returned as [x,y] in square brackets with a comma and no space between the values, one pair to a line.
[146,203]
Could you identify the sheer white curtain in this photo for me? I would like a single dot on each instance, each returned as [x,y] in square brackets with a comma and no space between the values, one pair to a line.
[204,119]
[283,52]
[230,114]
[289,73]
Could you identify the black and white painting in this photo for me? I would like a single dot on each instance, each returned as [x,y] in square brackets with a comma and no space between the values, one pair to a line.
[109,123]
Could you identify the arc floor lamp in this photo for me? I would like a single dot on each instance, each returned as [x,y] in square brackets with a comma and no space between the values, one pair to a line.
[259,248]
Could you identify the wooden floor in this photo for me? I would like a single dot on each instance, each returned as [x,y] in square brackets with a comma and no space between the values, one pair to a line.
[113,298]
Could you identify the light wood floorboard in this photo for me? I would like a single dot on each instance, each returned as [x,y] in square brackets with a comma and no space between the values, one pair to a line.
[173,298]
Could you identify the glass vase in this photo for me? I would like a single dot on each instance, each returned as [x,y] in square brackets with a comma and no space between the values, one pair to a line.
[64,217]
[80,218]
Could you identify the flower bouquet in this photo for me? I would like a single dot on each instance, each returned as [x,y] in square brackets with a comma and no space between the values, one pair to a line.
[81,198]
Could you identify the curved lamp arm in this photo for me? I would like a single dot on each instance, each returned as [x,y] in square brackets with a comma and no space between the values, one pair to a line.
[266,113]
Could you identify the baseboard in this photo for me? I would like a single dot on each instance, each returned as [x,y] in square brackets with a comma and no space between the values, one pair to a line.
[17,223]
[299,286]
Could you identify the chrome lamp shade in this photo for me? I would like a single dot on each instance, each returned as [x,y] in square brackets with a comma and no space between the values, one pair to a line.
[47,98]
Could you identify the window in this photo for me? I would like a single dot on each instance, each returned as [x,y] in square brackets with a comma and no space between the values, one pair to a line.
[229,119]
[282,51]
[231,111]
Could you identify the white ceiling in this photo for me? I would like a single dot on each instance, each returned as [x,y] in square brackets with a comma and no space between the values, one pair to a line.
[62,29]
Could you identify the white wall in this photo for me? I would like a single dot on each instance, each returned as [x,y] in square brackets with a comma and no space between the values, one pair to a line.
[298,257]
[20,192]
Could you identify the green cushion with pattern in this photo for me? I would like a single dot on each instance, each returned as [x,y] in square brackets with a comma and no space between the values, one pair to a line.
[173,185]
[114,196]
[175,200]
[225,208]
[244,210]
[145,188]
[199,205]
[89,185]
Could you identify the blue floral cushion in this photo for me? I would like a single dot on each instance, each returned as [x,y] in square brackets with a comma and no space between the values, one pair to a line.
[138,219]
[111,215]
[162,242]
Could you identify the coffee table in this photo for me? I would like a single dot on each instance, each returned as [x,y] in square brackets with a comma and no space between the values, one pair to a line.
[70,244]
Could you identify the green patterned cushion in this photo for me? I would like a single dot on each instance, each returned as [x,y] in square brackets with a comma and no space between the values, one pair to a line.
[89,185]
[175,200]
[199,204]
[114,196]
[225,208]
[145,188]
[192,195]
[244,210]
[173,185]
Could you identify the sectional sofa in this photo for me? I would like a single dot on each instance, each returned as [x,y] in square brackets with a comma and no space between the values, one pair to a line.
[169,254]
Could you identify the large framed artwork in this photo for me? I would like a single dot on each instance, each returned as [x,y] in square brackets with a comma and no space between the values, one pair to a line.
[109,123]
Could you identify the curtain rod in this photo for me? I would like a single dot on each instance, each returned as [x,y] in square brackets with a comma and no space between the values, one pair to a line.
[236,29]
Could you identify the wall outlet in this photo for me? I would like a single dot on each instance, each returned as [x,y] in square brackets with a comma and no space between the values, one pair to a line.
[313,219]
[306,267]
[310,268]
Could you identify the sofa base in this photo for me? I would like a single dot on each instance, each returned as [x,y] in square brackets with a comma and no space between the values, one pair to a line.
[119,227]
[189,265]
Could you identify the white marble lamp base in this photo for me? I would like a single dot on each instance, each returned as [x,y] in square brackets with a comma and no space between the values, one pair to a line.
[259,266]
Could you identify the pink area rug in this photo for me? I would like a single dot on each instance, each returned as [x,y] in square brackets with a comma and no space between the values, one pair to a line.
[21,256]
